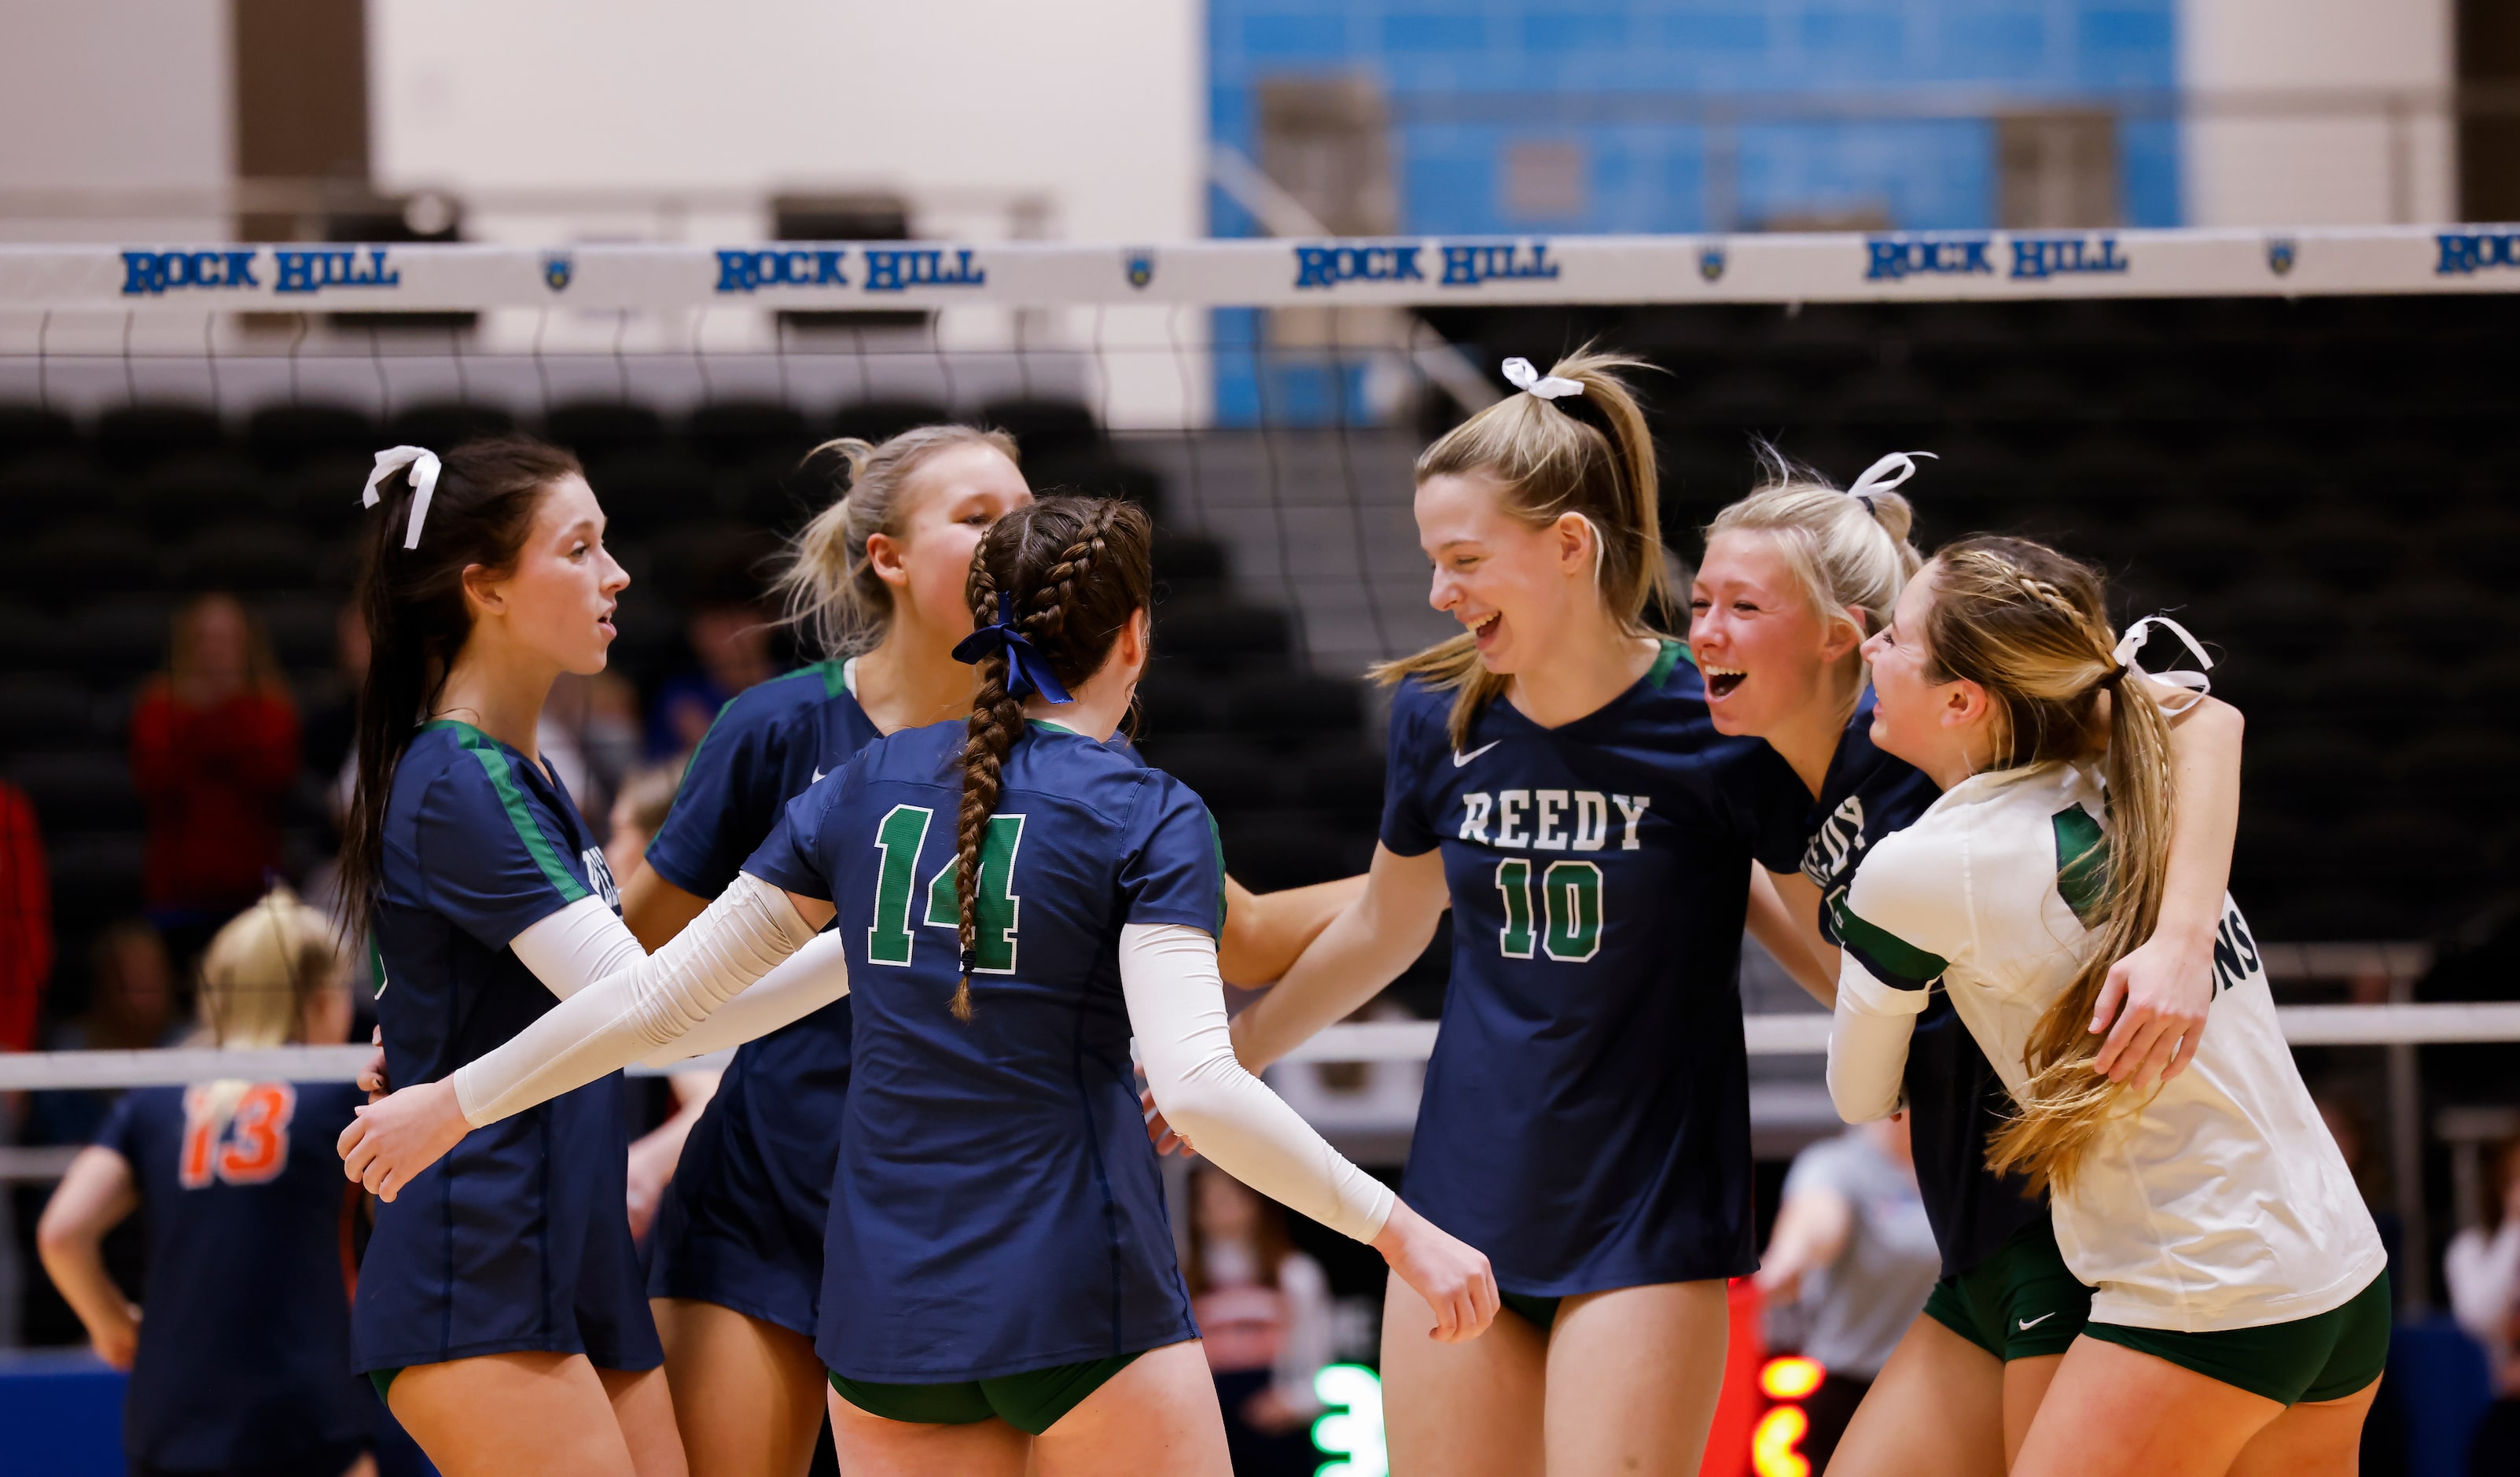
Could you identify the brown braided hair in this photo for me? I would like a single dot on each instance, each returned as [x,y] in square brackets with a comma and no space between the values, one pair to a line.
[2031,628]
[1076,569]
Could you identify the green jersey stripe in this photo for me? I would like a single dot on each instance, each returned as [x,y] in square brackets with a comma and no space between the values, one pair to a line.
[1897,962]
[495,763]
[2082,864]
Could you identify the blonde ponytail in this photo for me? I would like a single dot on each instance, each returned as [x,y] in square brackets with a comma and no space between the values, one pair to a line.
[2028,624]
[257,976]
[825,583]
[1589,454]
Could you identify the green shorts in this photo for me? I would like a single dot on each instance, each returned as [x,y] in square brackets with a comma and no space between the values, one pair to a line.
[2021,1303]
[2328,1356]
[1540,1311]
[1031,1401]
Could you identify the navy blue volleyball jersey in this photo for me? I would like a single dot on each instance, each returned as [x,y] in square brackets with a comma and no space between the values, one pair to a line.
[518,1240]
[1954,1100]
[244,1339]
[1587,1115]
[997,1208]
[742,1223]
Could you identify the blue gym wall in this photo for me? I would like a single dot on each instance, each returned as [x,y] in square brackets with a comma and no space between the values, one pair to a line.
[1647,176]
[1653,177]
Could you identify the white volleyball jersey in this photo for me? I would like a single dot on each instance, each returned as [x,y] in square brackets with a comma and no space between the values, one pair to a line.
[2223,1202]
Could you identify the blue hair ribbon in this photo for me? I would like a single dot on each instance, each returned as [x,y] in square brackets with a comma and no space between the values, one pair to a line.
[1027,669]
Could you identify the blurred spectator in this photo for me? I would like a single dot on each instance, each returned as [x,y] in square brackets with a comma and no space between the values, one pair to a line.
[25,965]
[1853,1247]
[131,1007]
[590,735]
[1264,1308]
[2483,1270]
[332,716]
[731,642]
[26,920]
[637,812]
[213,755]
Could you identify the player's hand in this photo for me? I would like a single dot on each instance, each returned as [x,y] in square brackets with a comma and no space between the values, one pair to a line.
[118,1344]
[372,1077]
[1450,1274]
[389,1142]
[651,1169]
[2165,988]
[1160,1133]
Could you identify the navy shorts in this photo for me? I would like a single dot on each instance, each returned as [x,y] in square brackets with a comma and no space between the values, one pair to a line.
[518,1240]
[741,1224]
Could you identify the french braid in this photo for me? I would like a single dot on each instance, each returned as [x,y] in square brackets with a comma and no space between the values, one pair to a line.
[1074,570]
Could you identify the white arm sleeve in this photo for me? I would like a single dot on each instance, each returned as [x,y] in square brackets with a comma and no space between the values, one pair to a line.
[581,944]
[1177,1010]
[741,938]
[804,982]
[1868,1048]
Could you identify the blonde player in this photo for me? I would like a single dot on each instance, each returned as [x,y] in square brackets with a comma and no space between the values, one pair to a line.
[2241,1317]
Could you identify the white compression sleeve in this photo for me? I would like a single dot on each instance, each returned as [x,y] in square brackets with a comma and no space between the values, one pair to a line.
[741,938]
[1177,1010]
[804,982]
[1868,1046]
[581,944]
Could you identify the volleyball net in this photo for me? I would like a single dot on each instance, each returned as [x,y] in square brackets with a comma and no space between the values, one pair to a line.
[2221,416]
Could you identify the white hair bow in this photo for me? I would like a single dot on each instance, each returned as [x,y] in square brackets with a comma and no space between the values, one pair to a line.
[1885,474]
[1520,374]
[2195,682]
[425,466]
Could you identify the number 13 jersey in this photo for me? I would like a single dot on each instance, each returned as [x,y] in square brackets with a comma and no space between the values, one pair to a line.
[1586,1120]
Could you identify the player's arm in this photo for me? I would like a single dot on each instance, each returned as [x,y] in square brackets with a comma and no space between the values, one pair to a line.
[1364,948]
[2167,983]
[1786,924]
[1267,932]
[654,1154]
[757,938]
[1813,1227]
[1905,914]
[93,1198]
[656,909]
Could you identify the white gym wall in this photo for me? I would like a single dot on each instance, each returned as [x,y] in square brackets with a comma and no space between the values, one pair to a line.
[2307,171]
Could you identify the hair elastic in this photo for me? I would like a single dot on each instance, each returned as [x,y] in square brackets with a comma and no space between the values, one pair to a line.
[1885,475]
[425,466]
[2195,681]
[1521,376]
[1027,669]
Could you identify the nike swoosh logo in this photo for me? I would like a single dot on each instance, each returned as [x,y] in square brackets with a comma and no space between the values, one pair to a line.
[817,779]
[1460,759]
[2029,1323]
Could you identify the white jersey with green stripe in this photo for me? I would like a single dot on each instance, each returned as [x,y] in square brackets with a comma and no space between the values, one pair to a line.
[2222,1202]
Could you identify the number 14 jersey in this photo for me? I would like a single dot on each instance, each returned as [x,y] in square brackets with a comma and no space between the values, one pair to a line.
[1586,1120]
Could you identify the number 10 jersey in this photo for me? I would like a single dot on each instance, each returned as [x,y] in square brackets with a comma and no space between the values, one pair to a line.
[1586,1120]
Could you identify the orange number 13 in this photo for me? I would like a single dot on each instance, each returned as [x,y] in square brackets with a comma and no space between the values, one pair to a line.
[253,1147]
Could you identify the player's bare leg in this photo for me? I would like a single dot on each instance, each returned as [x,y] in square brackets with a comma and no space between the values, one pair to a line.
[747,1394]
[1634,1377]
[1467,1410]
[1936,1410]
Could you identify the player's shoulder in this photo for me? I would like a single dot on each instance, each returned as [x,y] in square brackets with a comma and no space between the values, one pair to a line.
[1418,702]
[791,698]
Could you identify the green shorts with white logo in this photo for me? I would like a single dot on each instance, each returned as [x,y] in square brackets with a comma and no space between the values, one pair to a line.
[2021,1303]
[1031,1401]
[2328,1356]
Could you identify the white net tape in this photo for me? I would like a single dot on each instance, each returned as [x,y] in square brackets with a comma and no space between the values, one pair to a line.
[1796,1035]
[1400,271]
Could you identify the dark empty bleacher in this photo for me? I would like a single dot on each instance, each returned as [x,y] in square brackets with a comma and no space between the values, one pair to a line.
[115,521]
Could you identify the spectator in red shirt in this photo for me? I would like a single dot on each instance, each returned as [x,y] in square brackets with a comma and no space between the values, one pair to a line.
[25,921]
[213,753]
